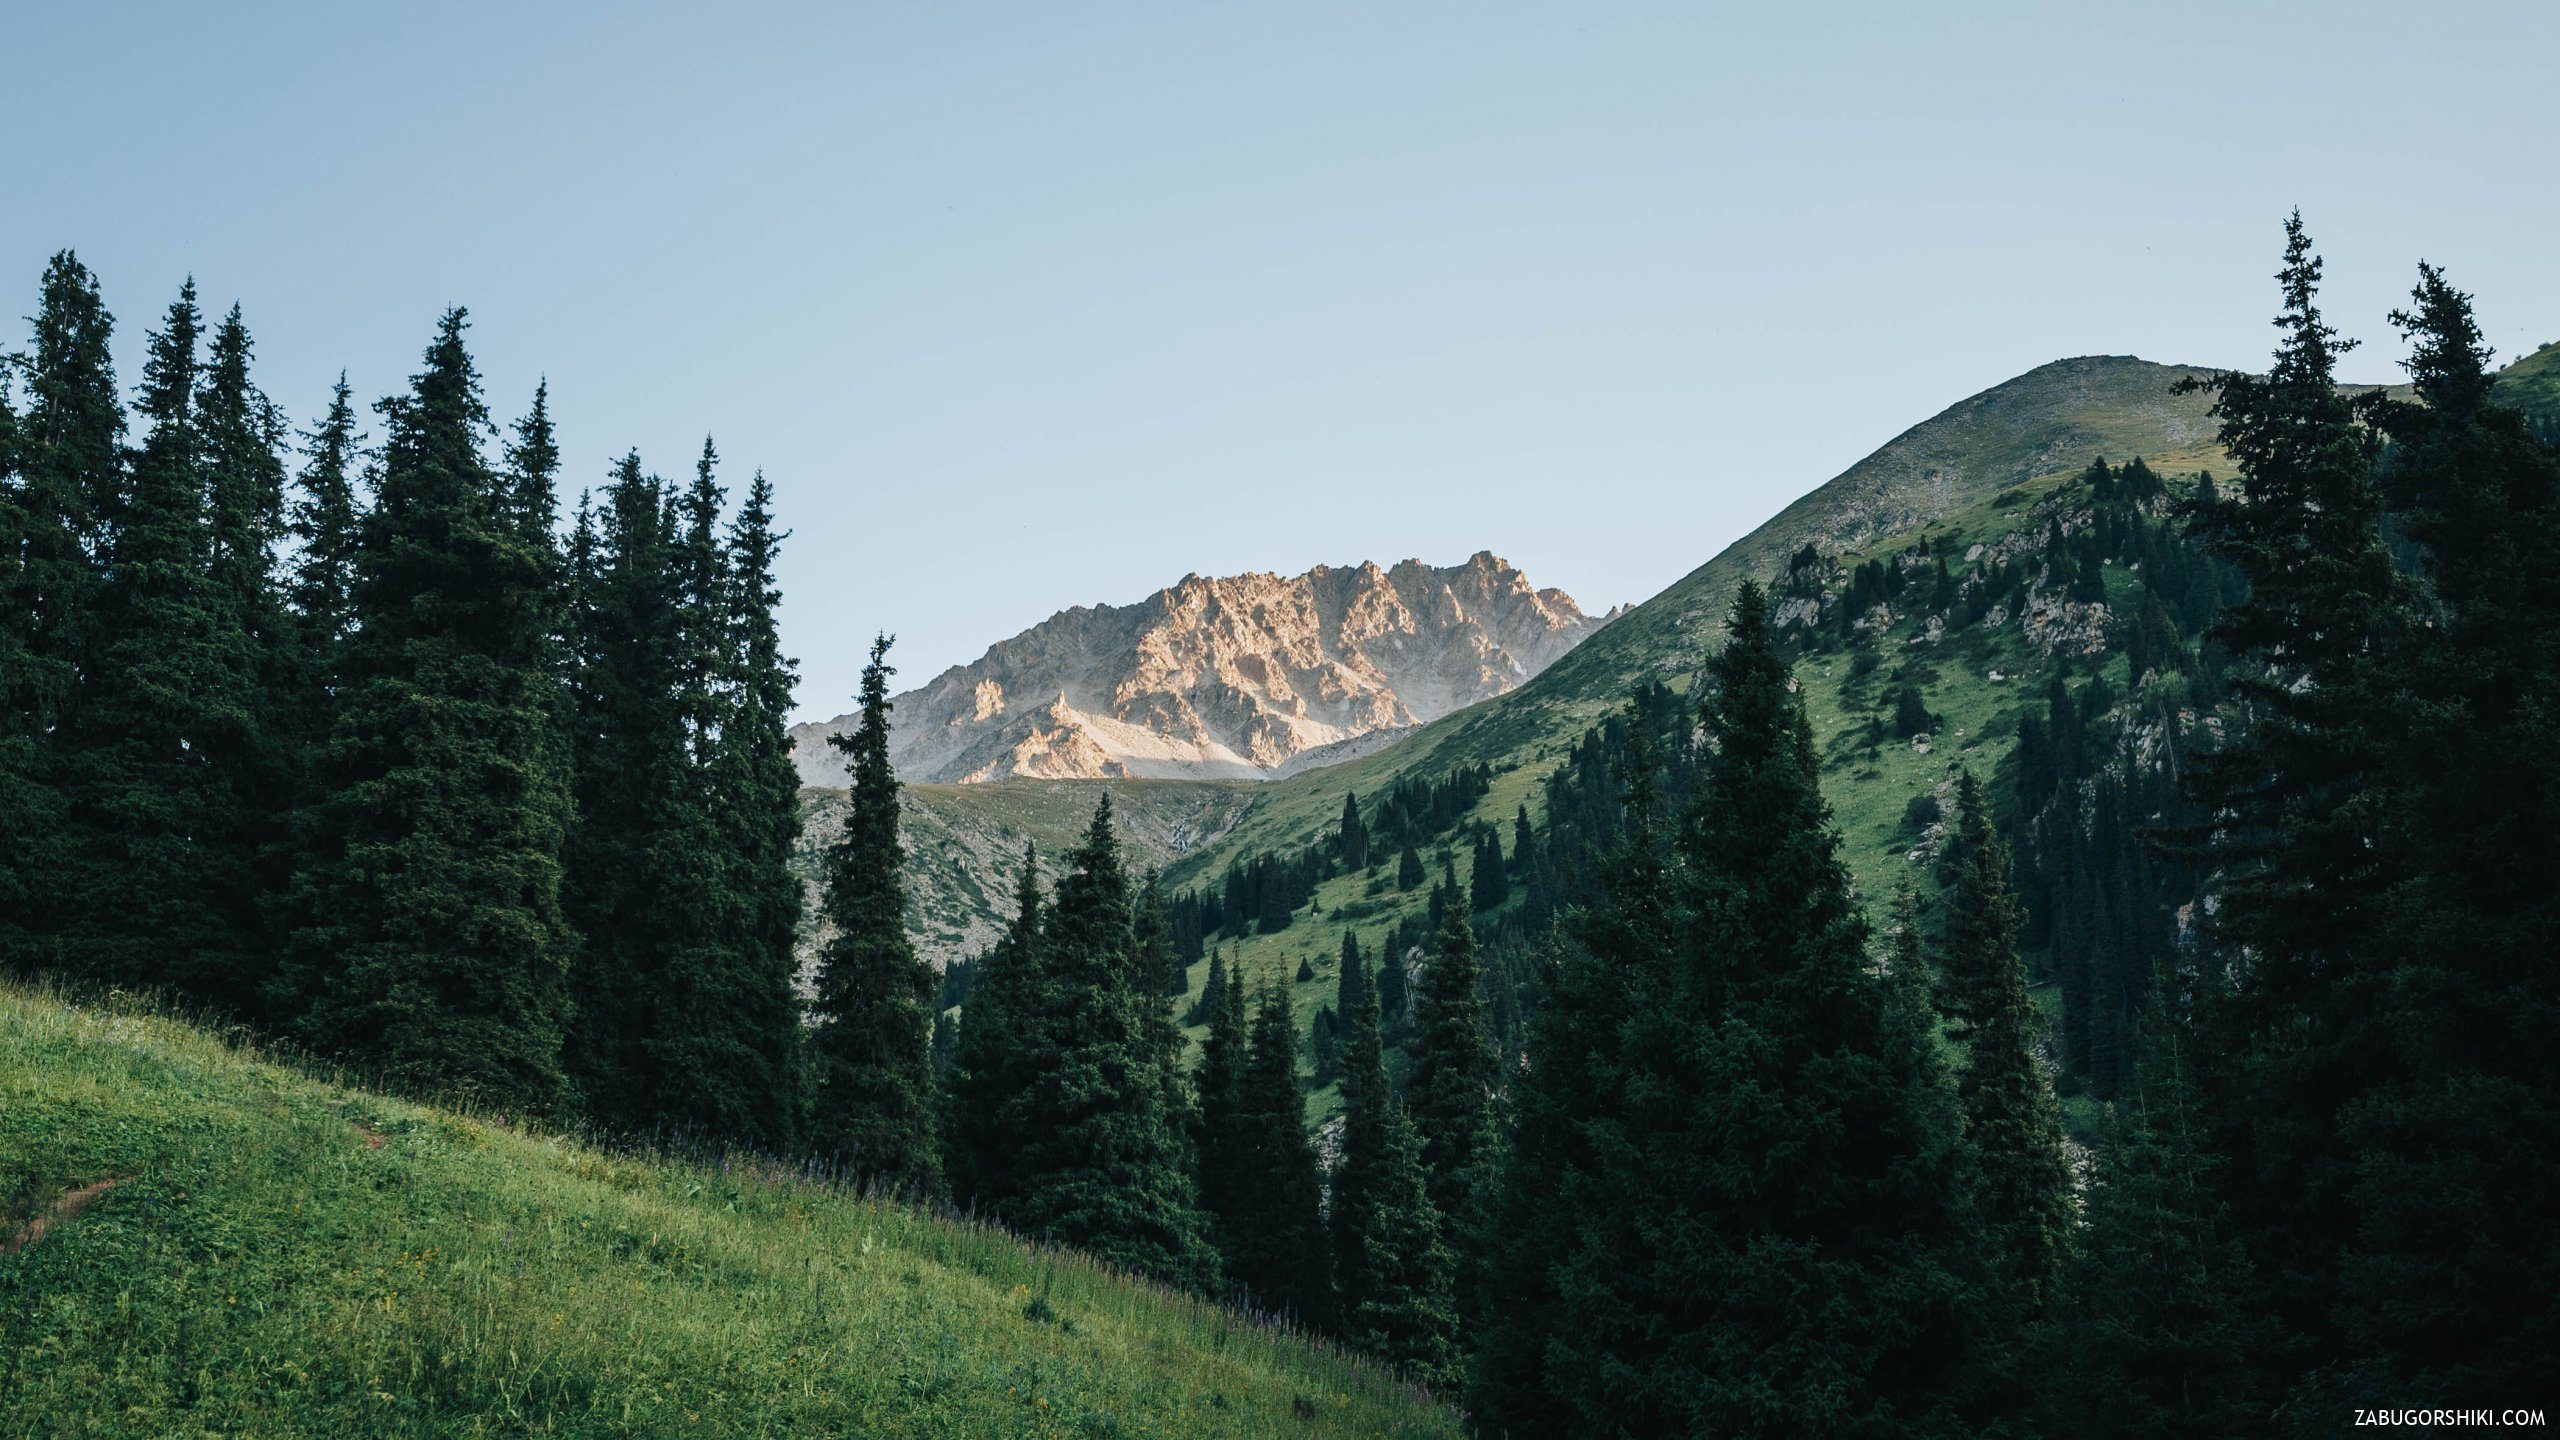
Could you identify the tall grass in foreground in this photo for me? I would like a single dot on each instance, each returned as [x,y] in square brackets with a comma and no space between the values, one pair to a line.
[289,1255]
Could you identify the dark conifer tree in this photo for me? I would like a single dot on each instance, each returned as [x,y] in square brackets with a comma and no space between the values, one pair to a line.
[1569,1080]
[1450,1085]
[28,815]
[1207,1005]
[324,520]
[1772,1233]
[1405,1314]
[1219,1143]
[1279,1252]
[70,486]
[432,936]
[875,1001]
[2011,1119]
[1409,872]
[249,734]
[992,1071]
[2449,1143]
[1162,978]
[1352,836]
[1101,1165]
[2300,793]
[144,795]
[1158,956]
[759,813]
[632,856]
[1365,1101]
[1489,883]
[718,1051]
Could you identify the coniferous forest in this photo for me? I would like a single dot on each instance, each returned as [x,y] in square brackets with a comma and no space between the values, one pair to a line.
[384,742]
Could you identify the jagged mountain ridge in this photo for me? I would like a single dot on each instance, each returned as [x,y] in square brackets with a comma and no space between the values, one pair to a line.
[1243,677]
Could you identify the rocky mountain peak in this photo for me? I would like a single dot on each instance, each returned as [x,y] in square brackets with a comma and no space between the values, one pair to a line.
[1238,677]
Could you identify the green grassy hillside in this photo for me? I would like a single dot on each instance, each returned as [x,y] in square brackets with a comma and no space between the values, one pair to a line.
[2532,384]
[2038,427]
[196,1243]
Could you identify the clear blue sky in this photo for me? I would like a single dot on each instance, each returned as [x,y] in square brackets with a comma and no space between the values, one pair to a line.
[1034,305]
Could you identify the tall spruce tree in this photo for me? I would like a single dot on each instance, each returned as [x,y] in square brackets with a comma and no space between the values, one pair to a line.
[2012,1122]
[144,795]
[324,519]
[1219,1142]
[1772,1228]
[2451,1129]
[252,737]
[1406,1314]
[631,848]
[875,1002]
[2300,797]
[990,1088]
[1101,1167]
[1395,1268]
[29,808]
[70,451]
[1366,1099]
[713,1062]
[1159,962]
[1277,1249]
[173,769]
[430,932]
[758,791]
[1450,1086]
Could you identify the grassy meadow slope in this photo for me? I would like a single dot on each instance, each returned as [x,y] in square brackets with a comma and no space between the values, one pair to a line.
[197,1242]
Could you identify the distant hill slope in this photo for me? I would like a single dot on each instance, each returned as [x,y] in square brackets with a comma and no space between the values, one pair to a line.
[2048,421]
[196,1243]
[1243,677]
[2532,384]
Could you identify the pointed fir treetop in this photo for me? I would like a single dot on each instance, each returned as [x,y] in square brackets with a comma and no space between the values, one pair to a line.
[324,521]
[533,468]
[73,429]
[1090,913]
[242,433]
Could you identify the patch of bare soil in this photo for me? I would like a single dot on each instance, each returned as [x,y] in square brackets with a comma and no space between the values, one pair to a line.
[61,1212]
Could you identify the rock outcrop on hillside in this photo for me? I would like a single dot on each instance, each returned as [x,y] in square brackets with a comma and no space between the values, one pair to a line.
[1246,677]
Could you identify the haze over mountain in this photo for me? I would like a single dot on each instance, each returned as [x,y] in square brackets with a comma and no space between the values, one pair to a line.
[1243,677]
